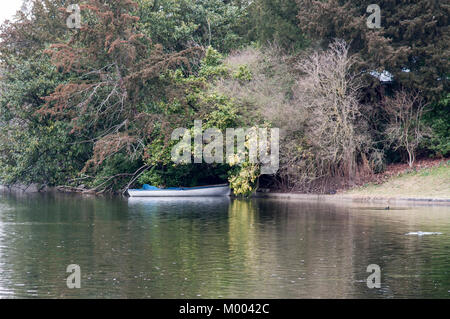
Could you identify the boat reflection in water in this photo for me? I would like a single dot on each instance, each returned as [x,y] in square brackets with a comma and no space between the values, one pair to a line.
[193,204]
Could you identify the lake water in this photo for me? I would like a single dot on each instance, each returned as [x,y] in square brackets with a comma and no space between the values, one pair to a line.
[219,248]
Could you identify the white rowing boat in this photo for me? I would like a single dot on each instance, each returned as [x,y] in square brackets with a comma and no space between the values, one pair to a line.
[204,191]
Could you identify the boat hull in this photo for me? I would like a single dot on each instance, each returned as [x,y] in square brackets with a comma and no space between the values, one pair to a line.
[187,192]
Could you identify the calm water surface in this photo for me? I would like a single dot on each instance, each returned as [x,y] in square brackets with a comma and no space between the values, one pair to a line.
[219,248]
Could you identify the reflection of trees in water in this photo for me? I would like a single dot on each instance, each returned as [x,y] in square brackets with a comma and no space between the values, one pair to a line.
[42,236]
[302,250]
[330,246]
[213,248]
[188,243]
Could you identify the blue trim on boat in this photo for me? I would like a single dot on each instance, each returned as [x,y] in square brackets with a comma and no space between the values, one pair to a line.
[178,188]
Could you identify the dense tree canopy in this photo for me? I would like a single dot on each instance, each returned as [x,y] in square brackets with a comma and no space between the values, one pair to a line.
[412,43]
[94,108]
[276,21]
[178,24]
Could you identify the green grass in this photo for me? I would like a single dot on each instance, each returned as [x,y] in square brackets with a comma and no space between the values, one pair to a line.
[425,183]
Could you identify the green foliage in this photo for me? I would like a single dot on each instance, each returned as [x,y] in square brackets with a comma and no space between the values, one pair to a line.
[184,175]
[243,74]
[178,24]
[43,154]
[215,110]
[439,121]
[25,85]
[243,179]
[212,58]
[413,35]
[165,22]
[114,173]
[276,21]
[34,149]
[212,65]
[224,113]
[113,93]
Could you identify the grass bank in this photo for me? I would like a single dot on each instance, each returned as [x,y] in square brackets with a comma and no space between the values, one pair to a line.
[430,182]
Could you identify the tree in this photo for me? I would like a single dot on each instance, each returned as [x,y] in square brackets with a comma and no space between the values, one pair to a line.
[412,43]
[405,128]
[33,149]
[329,92]
[112,100]
[438,118]
[25,38]
[315,103]
[180,24]
[99,99]
[275,21]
